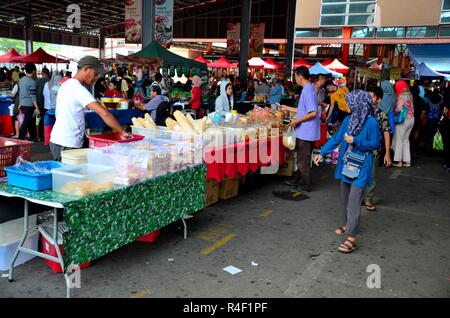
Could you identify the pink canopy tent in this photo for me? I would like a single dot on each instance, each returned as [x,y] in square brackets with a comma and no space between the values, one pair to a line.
[220,63]
[234,65]
[201,59]
[258,63]
[302,62]
[338,67]
[39,57]
[8,57]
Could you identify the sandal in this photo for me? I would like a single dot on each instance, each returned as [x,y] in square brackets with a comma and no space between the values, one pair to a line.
[348,247]
[340,230]
[370,207]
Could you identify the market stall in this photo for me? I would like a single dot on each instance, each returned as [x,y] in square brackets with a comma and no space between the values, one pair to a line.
[102,223]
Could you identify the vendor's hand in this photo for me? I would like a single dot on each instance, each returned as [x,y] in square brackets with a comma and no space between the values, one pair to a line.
[283,108]
[124,135]
[387,160]
[37,112]
[294,123]
[317,160]
[349,139]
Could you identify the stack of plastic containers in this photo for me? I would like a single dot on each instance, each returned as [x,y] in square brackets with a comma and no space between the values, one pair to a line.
[130,164]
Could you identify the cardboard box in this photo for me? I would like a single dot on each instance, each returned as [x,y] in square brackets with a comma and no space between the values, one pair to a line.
[229,189]
[212,192]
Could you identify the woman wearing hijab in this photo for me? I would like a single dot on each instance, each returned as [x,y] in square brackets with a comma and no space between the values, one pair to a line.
[196,100]
[225,103]
[358,134]
[389,101]
[402,151]
[51,90]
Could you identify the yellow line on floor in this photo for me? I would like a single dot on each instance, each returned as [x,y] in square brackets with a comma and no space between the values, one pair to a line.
[142,293]
[266,213]
[217,244]
[215,233]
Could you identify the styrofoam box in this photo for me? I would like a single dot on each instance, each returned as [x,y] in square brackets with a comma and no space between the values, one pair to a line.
[74,157]
[10,234]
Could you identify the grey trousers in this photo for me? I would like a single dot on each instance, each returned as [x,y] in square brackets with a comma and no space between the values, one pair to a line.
[56,151]
[351,207]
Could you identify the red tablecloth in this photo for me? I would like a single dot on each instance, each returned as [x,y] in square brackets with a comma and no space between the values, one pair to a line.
[241,158]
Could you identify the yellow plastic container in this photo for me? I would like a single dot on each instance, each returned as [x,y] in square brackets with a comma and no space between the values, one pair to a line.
[74,157]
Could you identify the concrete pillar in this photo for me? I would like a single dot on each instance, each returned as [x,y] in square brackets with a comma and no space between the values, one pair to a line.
[290,47]
[102,40]
[28,35]
[148,22]
[245,36]
[346,34]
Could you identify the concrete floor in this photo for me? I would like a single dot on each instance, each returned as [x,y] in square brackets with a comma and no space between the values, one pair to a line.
[293,243]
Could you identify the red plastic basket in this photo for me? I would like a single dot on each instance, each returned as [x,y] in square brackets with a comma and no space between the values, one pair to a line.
[105,140]
[9,153]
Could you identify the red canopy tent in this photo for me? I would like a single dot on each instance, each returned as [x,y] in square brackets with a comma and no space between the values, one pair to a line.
[201,59]
[39,57]
[8,57]
[338,67]
[274,63]
[327,62]
[302,62]
[220,63]
[234,65]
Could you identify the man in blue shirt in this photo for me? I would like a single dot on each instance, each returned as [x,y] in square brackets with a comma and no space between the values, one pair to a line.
[307,128]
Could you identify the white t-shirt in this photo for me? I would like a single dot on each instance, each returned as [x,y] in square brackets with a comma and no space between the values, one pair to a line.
[71,103]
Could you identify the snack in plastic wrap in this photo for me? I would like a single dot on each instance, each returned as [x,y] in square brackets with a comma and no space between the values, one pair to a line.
[86,187]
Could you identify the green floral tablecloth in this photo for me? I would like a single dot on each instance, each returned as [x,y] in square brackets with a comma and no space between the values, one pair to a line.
[102,223]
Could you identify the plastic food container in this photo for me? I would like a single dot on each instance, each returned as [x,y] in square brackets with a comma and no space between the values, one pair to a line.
[33,176]
[83,179]
[130,165]
[158,160]
[105,140]
[74,157]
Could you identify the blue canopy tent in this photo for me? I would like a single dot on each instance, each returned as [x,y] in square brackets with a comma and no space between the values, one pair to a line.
[423,70]
[436,56]
[318,69]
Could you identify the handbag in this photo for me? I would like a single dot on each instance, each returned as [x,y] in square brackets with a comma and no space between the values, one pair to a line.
[400,117]
[353,164]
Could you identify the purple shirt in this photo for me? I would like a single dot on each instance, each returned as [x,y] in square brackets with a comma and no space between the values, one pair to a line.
[309,130]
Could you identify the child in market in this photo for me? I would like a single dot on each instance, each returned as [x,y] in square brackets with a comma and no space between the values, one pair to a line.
[112,91]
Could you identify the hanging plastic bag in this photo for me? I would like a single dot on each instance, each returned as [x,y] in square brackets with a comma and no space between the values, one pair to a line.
[438,143]
[289,139]
[20,119]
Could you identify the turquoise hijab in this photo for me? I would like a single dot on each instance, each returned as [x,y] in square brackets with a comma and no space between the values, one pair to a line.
[389,101]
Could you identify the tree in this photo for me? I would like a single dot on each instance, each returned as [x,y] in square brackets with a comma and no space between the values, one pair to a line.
[19,45]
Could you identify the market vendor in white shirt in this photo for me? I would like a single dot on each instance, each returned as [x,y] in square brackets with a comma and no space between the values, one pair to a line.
[72,101]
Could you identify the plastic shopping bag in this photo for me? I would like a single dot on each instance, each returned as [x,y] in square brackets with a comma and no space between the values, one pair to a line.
[289,139]
[20,119]
[438,143]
